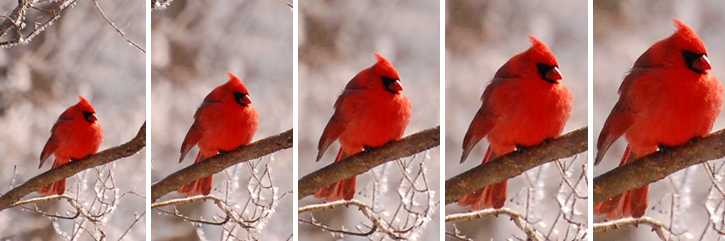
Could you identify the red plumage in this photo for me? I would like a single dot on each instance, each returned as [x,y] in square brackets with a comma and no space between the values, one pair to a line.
[668,98]
[74,136]
[370,112]
[524,104]
[224,121]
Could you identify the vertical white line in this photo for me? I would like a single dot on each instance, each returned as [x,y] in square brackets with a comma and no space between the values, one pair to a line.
[148,121]
[590,122]
[295,115]
[442,149]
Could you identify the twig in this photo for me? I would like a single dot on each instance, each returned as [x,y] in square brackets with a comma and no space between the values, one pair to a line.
[138,218]
[366,211]
[520,222]
[364,161]
[657,226]
[95,2]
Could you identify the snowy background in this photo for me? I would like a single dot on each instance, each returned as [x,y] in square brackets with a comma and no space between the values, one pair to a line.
[194,44]
[80,54]
[337,40]
[480,37]
[623,30]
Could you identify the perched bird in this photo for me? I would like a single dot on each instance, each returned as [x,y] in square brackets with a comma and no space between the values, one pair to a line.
[370,112]
[74,136]
[668,98]
[525,104]
[225,121]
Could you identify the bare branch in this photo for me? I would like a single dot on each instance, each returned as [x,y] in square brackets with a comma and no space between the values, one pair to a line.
[111,154]
[160,3]
[656,166]
[519,220]
[364,161]
[515,163]
[95,2]
[16,18]
[657,226]
[220,162]
[15,21]
[378,222]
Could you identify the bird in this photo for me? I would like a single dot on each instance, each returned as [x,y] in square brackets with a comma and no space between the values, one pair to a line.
[371,111]
[525,104]
[75,135]
[225,121]
[668,98]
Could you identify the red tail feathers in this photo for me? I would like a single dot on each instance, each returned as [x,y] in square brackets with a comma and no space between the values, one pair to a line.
[632,203]
[493,196]
[342,190]
[55,188]
[201,186]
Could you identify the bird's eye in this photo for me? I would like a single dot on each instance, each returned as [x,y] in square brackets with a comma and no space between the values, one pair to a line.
[89,116]
[548,72]
[695,61]
[391,85]
[386,81]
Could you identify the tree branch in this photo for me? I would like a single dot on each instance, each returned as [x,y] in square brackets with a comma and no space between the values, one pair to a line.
[16,18]
[220,162]
[377,222]
[658,165]
[657,226]
[364,161]
[517,218]
[515,163]
[129,148]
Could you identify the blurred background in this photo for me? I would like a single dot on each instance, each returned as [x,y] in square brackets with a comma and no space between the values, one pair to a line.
[480,37]
[80,54]
[336,41]
[194,44]
[623,30]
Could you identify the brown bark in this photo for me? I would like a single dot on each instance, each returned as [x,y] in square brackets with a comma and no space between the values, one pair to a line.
[220,162]
[111,154]
[658,165]
[364,161]
[515,163]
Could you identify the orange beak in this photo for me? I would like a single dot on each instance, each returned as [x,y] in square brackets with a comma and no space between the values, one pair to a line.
[553,74]
[395,86]
[701,64]
[93,117]
[245,100]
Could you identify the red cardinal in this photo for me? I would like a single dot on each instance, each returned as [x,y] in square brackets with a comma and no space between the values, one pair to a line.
[370,112]
[524,104]
[75,135]
[668,98]
[224,121]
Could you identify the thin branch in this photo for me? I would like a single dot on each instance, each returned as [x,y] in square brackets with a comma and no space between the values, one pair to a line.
[220,162]
[95,2]
[658,165]
[657,226]
[138,218]
[64,171]
[515,163]
[368,212]
[16,18]
[15,21]
[364,161]
[160,3]
[340,231]
[519,220]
